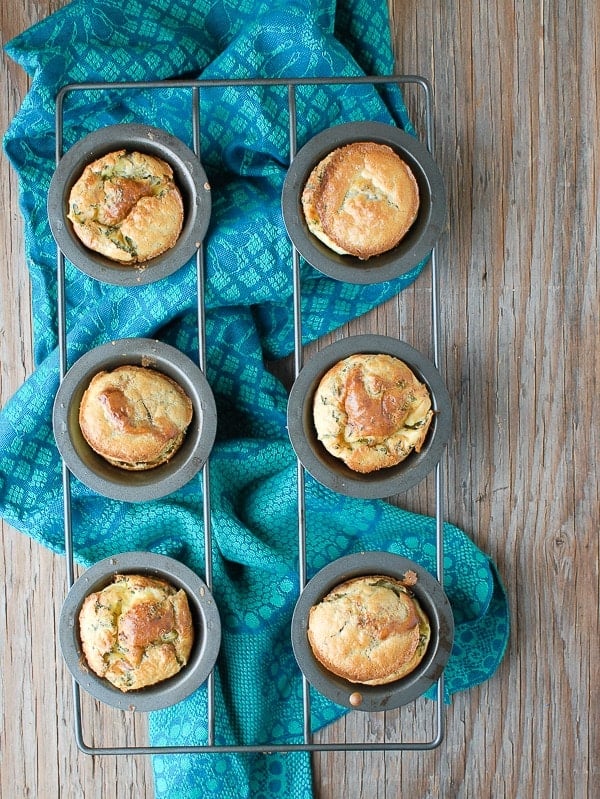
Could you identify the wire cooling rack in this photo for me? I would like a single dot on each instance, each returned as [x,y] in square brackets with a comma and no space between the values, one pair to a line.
[195,89]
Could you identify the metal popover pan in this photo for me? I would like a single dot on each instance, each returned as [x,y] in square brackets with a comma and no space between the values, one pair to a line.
[188,173]
[205,618]
[333,472]
[96,472]
[430,595]
[415,246]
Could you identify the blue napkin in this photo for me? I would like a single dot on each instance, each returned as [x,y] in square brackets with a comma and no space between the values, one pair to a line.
[248,299]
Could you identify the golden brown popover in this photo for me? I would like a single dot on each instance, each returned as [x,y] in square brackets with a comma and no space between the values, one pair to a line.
[127,207]
[369,630]
[136,632]
[361,199]
[371,411]
[134,416]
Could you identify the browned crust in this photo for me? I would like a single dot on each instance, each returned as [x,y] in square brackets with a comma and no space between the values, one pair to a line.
[371,411]
[361,199]
[134,417]
[136,632]
[369,630]
[127,207]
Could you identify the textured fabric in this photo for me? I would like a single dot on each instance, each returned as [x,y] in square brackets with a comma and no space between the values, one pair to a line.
[249,319]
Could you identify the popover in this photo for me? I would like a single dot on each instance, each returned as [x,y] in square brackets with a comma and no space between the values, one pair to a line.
[137,631]
[127,207]
[135,417]
[361,199]
[369,630]
[371,411]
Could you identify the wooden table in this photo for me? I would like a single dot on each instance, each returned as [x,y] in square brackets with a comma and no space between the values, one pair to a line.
[517,121]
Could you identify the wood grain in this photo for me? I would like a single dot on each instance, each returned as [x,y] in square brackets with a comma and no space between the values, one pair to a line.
[516,116]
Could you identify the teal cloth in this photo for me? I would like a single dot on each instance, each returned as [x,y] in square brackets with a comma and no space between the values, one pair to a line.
[249,320]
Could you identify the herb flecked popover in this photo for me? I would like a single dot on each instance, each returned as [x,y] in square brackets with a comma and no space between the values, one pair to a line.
[136,632]
[127,207]
[371,411]
[370,630]
[134,416]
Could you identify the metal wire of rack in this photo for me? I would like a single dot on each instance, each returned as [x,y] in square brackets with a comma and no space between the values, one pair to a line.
[195,87]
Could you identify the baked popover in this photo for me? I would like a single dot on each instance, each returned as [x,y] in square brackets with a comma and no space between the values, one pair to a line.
[369,630]
[371,411]
[135,417]
[361,199]
[127,207]
[137,631]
